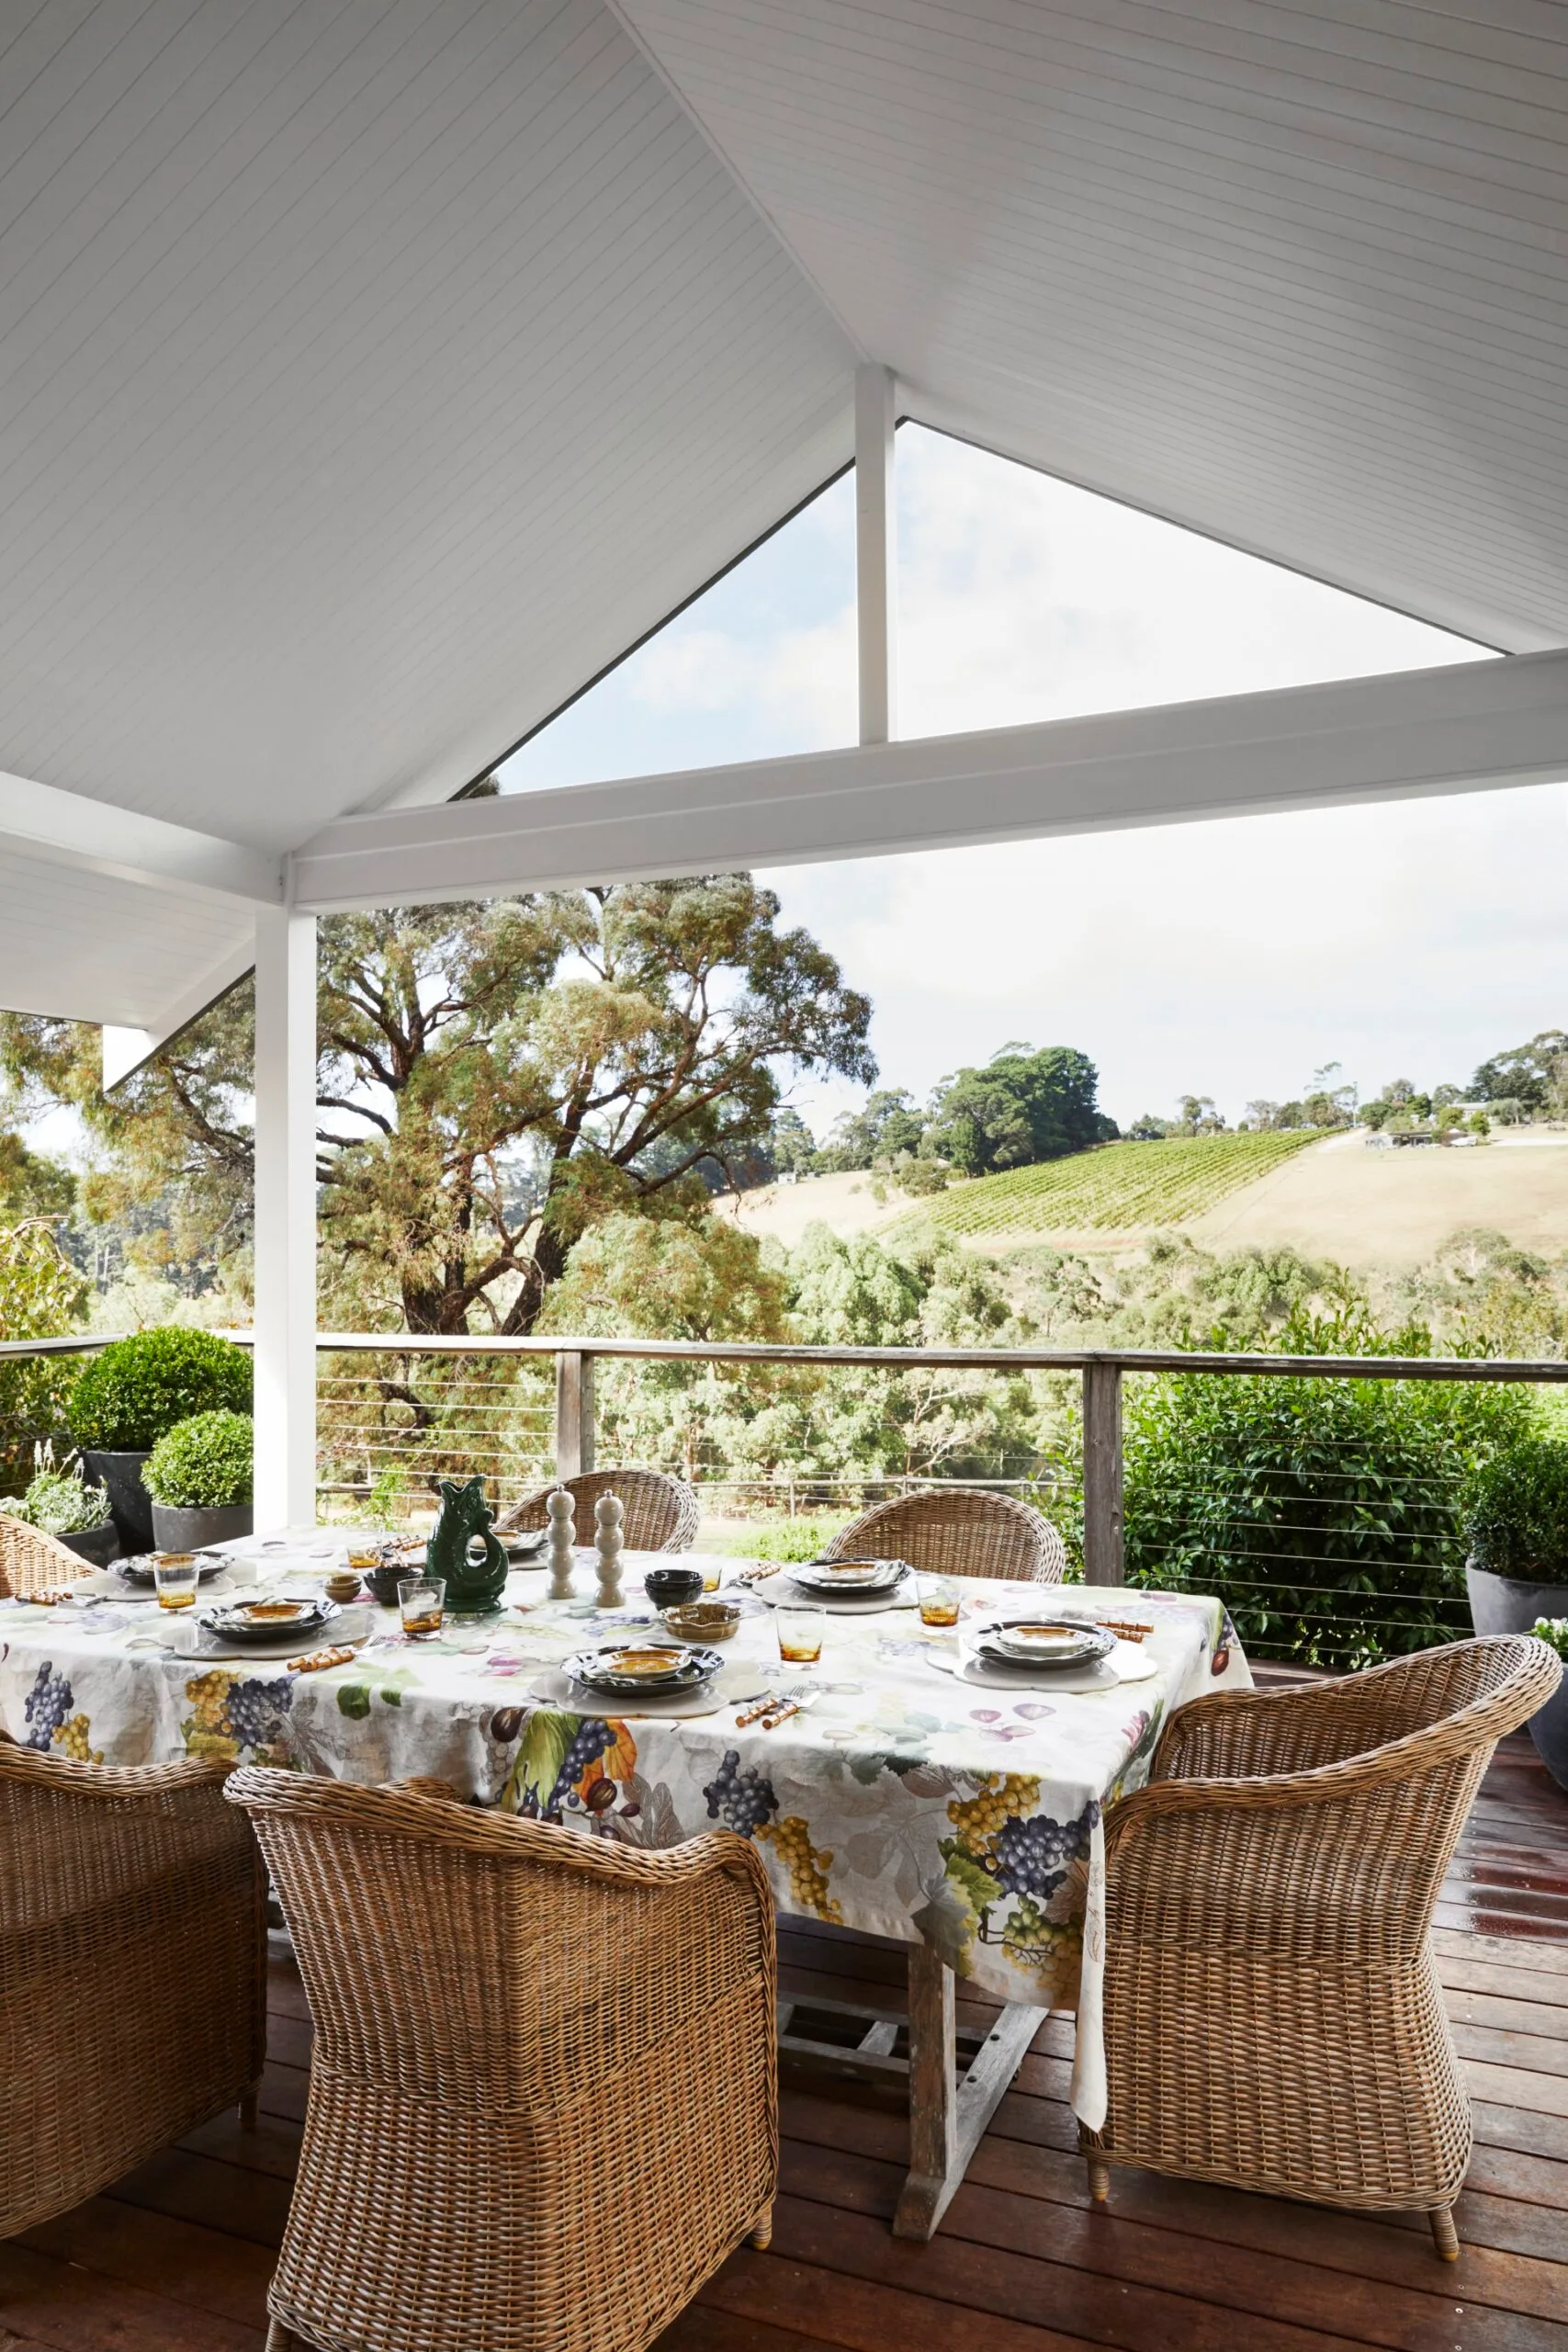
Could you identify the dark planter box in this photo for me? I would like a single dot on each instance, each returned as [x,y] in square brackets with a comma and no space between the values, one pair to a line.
[131,1505]
[96,1545]
[179,1529]
[1508,1605]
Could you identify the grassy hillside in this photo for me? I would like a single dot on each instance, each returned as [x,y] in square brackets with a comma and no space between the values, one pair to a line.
[1118,1188]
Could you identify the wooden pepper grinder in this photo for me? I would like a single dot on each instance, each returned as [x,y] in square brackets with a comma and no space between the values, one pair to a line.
[558,1511]
[608,1512]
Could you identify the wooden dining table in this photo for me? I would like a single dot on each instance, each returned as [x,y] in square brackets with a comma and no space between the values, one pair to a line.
[914,1796]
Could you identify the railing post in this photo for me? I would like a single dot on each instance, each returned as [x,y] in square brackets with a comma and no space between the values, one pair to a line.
[574,1413]
[1102,1556]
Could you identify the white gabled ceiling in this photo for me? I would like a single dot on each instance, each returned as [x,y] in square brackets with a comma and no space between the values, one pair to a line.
[369,376]
[374,372]
[1296,276]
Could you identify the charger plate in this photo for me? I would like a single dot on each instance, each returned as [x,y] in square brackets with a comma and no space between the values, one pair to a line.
[1124,1664]
[782,1592]
[553,1689]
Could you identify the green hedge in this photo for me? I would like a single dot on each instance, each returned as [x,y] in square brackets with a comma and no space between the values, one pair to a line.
[1328,1514]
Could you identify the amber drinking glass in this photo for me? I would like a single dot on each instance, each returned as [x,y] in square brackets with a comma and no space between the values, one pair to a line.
[422,1601]
[939,1598]
[177,1580]
[801,1632]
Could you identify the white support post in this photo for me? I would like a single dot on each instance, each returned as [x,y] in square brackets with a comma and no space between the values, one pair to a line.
[876,566]
[285,1219]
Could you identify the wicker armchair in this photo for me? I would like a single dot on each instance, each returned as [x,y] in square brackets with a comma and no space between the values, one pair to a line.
[1273,2018]
[958,1531]
[32,1562]
[133,1970]
[543,2103]
[660,1512]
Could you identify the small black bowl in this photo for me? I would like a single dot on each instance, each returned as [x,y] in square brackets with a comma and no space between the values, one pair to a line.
[667,1588]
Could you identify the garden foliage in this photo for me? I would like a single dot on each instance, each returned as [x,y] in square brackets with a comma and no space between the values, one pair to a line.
[1328,1514]
[125,1398]
[1518,1512]
[202,1463]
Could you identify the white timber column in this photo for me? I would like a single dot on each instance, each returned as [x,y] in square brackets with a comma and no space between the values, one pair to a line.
[285,1218]
[876,566]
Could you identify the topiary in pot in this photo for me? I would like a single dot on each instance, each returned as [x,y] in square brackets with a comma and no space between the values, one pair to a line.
[125,1398]
[1518,1570]
[198,1475]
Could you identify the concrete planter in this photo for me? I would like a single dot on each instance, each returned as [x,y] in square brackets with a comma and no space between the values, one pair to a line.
[96,1545]
[131,1505]
[1509,1605]
[178,1528]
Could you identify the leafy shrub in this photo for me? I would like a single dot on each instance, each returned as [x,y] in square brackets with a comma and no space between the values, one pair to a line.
[59,1501]
[126,1398]
[1328,1514]
[1518,1512]
[1553,1632]
[203,1463]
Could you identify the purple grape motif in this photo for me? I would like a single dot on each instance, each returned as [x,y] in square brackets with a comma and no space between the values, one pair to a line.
[258,1712]
[1033,1856]
[47,1706]
[593,1738]
[742,1801]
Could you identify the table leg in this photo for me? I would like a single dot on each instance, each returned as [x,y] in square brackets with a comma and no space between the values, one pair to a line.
[948,2117]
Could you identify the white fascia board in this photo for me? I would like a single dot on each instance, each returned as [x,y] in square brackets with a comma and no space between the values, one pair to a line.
[124,1050]
[72,829]
[1452,729]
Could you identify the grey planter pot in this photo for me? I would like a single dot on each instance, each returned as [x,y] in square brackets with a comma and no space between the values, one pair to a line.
[1508,1605]
[131,1505]
[181,1530]
[96,1545]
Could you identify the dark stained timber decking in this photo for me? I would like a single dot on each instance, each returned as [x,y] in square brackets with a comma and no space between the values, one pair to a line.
[177,2257]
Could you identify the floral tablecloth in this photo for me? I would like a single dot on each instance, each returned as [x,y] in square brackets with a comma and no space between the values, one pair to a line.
[905,1802]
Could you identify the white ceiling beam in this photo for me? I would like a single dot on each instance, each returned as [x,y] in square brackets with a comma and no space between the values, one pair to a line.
[876,559]
[1453,729]
[69,829]
[124,1050]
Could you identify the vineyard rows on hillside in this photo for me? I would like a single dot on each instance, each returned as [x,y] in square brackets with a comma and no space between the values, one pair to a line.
[1118,1188]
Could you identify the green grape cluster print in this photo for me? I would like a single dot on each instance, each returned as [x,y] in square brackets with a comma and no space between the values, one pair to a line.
[807,1867]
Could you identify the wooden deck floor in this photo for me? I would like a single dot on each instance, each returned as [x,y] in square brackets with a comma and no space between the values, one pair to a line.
[177,2258]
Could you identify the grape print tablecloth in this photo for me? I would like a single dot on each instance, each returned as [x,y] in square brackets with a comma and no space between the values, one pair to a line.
[905,1802]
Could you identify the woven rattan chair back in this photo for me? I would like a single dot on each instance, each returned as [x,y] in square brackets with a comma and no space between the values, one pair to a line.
[32,1562]
[958,1531]
[133,1970]
[1273,2016]
[660,1512]
[542,2104]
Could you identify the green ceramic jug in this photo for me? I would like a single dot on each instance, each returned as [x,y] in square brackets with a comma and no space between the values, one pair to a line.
[474,1585]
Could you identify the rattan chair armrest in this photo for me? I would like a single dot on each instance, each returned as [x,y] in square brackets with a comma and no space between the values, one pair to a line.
[111,1782]
[404,1811]
[1236,1725]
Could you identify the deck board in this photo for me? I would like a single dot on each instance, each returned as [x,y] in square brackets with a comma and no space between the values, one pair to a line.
[175,2258]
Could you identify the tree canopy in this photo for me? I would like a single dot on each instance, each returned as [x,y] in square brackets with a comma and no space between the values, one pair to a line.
[493,1080]
[1023,1107]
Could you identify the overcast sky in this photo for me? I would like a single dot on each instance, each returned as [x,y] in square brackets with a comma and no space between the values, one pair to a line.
[1230,958]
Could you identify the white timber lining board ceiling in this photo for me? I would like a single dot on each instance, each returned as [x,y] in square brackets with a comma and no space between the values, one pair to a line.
[1297,277]
[84,946]
[370,378]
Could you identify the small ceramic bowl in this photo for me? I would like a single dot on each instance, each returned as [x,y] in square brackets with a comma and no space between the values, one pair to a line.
[703,1620]
[670,1588]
